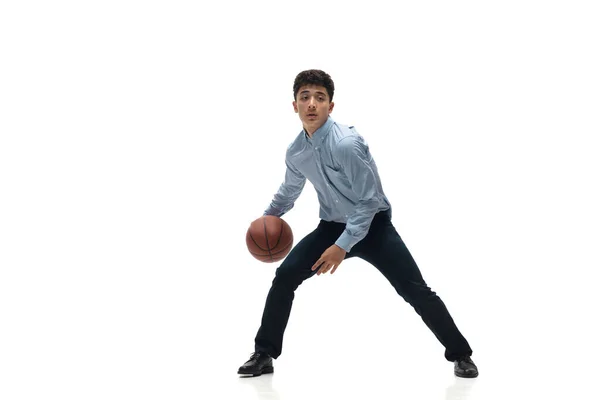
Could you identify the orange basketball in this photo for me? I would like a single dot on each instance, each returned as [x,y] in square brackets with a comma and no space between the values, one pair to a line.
[269,239]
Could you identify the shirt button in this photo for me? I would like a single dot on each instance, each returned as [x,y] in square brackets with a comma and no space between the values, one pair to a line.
[317,148]
[346,215]
[336,201]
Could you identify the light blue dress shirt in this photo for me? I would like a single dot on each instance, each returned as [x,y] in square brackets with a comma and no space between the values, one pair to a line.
[337,161]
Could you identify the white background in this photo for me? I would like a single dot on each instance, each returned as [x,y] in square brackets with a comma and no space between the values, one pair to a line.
[138,140]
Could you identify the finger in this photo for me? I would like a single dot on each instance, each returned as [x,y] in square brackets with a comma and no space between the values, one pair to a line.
[322,269]
[334,268]
[316,265]
[332,265]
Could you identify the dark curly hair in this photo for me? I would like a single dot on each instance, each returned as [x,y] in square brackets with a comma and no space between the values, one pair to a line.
[314,77]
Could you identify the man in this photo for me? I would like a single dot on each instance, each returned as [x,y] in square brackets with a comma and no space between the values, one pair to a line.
[355,222]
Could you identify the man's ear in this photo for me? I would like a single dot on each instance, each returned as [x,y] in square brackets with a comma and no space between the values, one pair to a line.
[331,107]
[295,106]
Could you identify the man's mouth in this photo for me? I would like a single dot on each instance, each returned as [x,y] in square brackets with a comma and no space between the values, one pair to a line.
[311,115]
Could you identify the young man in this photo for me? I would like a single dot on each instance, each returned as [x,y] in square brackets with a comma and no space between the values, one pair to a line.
[355,222]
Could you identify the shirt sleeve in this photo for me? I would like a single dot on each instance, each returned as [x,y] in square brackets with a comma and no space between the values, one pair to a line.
[288,192]
[356,161]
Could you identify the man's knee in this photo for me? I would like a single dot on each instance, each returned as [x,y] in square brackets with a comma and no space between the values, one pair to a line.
[289,276]
[414,292]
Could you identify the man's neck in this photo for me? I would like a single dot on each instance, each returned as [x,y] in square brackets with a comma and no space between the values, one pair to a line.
[310,133]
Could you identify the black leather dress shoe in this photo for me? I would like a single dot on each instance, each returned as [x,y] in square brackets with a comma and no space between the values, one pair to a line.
[464,367]
[258,364]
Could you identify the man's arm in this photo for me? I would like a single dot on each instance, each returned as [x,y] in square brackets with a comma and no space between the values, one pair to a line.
[356,161]
[288,192]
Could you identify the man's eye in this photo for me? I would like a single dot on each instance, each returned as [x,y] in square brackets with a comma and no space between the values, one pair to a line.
[321,98]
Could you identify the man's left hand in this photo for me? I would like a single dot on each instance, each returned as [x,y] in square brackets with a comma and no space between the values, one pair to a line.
[331,258]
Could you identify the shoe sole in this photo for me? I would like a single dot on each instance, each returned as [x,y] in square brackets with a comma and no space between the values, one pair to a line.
[467,375]
[266,370]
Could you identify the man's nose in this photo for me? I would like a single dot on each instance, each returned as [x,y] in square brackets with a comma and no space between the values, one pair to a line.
[312,103]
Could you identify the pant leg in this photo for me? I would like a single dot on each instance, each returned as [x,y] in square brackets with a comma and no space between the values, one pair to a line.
[383,247]
[291,273]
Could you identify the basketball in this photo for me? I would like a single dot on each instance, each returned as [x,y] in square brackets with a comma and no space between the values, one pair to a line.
[269,239]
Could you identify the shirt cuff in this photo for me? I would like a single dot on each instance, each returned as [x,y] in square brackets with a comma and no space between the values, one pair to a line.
[346,241]
[273,211]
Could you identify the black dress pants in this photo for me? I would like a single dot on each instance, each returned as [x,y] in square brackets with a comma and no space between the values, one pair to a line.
[384,249]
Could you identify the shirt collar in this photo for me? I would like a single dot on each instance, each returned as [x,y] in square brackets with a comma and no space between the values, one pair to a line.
[320,133]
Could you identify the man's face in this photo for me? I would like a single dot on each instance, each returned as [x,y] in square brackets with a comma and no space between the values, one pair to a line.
[313,106]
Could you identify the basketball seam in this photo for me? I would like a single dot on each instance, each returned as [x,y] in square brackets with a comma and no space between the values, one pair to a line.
[277,252]
[267,237]
[280,234]
[268,258]
[257,243]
